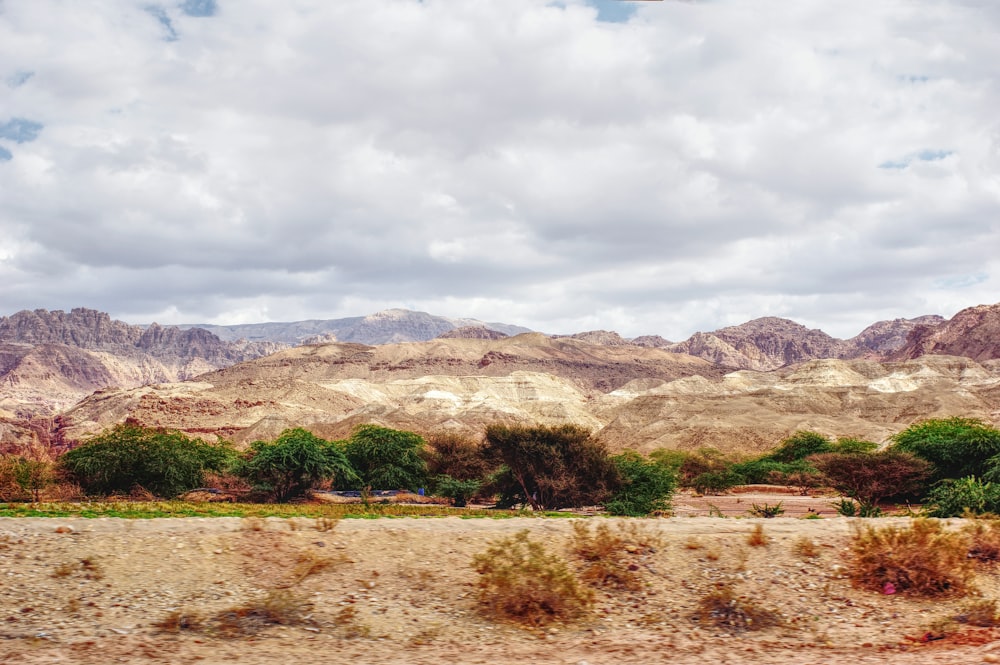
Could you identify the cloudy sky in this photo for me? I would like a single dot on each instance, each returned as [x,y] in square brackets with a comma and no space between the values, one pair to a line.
[646,167]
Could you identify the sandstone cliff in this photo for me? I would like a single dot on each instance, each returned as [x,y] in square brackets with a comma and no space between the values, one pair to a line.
[973,333]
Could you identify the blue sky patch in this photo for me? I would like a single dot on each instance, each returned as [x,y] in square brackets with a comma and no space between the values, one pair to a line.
[160,14]
[20,130]
[613,11]
[5,155]
[960,281]
[199,8]
[923,156]
[17,79]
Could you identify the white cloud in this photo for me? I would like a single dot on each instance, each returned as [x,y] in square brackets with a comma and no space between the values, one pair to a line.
[698,165]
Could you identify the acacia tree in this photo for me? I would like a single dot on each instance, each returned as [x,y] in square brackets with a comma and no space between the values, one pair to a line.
[550,467]
[162,461]
[870,477]
[957,447]
[294,463]
[386,458]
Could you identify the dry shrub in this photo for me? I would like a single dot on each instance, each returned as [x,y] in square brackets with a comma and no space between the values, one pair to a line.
[253,524]
[984,540]
[757,537]
[87,567]
[325,524]
[279,608]
[805,548]
[180,620]
[520,581]
[923,559]
[982,613]
[607,555]
[692,544]
[307,564]
[723,609]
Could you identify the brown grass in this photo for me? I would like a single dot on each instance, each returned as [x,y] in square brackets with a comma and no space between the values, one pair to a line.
[924,559]
[805,548]
[180,620]
[757,537]
[277,608]
[984,540]
[723,609]
[608,557]
[982,613]
[521,582]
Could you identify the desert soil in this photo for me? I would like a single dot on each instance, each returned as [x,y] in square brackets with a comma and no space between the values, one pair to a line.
[403,591]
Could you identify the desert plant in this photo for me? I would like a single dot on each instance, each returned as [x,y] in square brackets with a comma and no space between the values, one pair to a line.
[923,559]
[982,613]
[459,491]
[957,447]
[606,555]
[165,462]
[757,538]
[870,477]
[293,463]
[805,548]
[456,456]
[520,581]
[954,497]
[280,608]
[549,467]
[180,620]
[646,486]
[766,510]
[386,458]
[721,608]
[799,446]
[984,540]
[715,482]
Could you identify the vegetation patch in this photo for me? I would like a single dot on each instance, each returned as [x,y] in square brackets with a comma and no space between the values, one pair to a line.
[722,608]
[608,557]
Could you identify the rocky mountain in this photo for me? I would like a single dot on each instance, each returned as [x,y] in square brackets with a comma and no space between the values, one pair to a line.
[51,360]
[973,333]
[472,332]
[390,326]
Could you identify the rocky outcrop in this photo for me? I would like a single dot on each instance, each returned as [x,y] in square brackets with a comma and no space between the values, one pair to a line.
[472,332]
[882,339]
[972,333]
[651,341]
[602,337]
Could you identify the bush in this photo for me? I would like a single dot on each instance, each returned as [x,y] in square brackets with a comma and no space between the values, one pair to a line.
[550,467]
[386,458]
[923,560]
[164,462]
[714,482]
[293,464]
[799,446]
[870,477]
[957,447]
[646,486]
[459,491]
[520,581]
[606,554]
[723,609]
[984,540]
[954,497]
[769,471]
[24,479]
[456,456]
[704,460]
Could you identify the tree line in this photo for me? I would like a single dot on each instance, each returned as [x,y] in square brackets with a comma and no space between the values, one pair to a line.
[950,465]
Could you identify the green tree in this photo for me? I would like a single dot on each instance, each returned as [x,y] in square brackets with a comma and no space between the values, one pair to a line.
[164,462]
[293,464]
[957,447]
[800,445]
[954,497]
[386,458]
[646,486]
[550,467]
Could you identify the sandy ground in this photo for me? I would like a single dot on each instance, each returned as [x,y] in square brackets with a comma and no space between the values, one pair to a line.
[403,591]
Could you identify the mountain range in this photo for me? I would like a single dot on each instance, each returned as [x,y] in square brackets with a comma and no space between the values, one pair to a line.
[67,375]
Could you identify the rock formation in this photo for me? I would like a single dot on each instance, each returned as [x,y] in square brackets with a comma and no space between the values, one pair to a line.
[973,333]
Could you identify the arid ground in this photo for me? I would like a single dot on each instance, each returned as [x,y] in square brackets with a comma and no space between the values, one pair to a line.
[404,591]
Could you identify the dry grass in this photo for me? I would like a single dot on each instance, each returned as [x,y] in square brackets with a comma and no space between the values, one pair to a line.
[757,537]
[277,608]
[924,559]
[521,582]
[325,524]
[805,548]
[723,609]
[308,564]
[88,567]
[607,556]
[984,540]
[180,620]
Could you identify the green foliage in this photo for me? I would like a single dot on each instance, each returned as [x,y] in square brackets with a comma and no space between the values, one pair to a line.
[459,491]
[164,462]
[550,467]
[520,581]
[957,447]
[767,510]
[954,497]
[799,446]
[646,486]
[765,470]
[849,446]
[294,463]
[714,482]
[870,477]
[669,457]
[23,478]
[386,458]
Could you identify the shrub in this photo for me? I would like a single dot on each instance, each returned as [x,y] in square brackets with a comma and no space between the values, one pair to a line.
[519,581]
[702,461]
[387,458]
[805,548]
[870,477]
[982,613]
[957,447]
[723,609]
[293,464]
[984,540]
[923,560]
[954,497]
[165,462]
[606,554]
[459,491]
[769,471]
[646,487]
[766,510]
[757,538]
[799,446]
[714,482]
[550,467]
[456,456]
[850,446]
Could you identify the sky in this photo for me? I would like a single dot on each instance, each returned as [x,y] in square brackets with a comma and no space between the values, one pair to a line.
[644,167]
